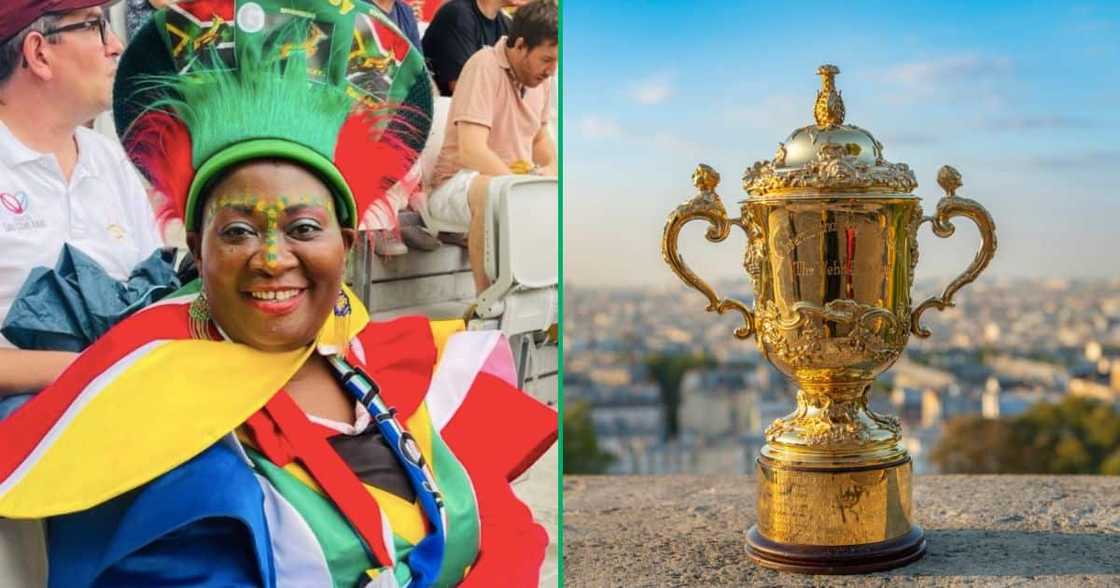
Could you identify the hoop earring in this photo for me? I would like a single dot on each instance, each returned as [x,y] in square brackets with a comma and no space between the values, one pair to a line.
[199,314]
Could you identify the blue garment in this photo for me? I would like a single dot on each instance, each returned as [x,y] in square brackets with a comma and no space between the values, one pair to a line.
[66,308]
[405,19]
[173,531]
[12,402]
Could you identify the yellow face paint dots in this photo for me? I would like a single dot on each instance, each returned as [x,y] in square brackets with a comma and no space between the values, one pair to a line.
[271,210]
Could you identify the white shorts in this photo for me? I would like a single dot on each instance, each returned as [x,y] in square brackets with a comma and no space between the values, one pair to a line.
[448,209]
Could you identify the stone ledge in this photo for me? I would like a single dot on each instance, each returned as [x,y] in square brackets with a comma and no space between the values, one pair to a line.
[982,531]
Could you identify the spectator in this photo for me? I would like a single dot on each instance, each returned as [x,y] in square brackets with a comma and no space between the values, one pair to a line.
[59,181]
[403,16]
[139,11]
[457,31]
[497,124]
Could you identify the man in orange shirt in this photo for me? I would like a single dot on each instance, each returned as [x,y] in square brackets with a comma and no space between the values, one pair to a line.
[497,124]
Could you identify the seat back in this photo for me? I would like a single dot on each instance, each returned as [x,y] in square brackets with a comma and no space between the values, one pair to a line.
[521,254]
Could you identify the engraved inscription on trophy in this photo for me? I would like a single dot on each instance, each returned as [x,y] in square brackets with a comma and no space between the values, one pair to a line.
[784,244]
[829,249]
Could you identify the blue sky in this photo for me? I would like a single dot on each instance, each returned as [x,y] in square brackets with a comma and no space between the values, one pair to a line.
[1022,98]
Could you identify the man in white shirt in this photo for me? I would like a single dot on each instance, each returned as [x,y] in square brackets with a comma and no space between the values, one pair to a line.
[60,182]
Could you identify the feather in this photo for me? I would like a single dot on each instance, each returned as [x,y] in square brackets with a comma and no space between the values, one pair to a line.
[160,145]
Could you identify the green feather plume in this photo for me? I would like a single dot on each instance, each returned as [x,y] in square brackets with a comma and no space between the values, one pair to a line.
[263,98]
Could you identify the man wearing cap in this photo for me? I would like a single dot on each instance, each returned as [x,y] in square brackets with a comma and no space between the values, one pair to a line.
[59,181]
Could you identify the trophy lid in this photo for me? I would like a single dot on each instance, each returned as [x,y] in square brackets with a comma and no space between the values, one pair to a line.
[828,156]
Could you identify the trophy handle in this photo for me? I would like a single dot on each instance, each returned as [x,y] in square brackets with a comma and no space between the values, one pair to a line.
[707,205]
[948,207]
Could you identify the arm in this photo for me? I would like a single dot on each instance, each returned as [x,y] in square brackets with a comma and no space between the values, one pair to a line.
[544,152]
[475,153]
[23,370]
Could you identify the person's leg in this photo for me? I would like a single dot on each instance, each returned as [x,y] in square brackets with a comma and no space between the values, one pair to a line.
[476,238]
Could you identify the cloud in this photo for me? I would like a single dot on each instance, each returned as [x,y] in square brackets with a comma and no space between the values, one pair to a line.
[981,81]
[1099,158]
[676,144]
[653,90]
[781,112]
[1087,19]
[1035,122]
[597,128]
[609,133]
[952,69]
[909,138]
[1093,26]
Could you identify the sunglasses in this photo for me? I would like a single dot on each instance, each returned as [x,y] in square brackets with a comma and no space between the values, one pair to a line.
[101,24]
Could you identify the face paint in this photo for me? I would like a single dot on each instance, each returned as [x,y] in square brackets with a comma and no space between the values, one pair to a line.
[271,207]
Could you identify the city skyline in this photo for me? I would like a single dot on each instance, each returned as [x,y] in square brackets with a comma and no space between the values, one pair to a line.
[1020,101]
[1006,349]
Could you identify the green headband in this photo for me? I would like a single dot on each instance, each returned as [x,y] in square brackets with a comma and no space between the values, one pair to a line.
[271,149]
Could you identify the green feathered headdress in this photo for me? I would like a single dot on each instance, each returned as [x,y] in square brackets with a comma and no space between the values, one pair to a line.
[343,95]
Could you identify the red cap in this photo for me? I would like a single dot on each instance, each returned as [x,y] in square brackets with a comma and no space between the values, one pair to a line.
[15,15]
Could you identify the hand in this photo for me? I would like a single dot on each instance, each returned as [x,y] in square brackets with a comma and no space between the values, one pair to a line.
[522,167]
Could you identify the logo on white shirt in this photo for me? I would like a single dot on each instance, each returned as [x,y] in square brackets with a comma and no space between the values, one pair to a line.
[15,204]
[15,216]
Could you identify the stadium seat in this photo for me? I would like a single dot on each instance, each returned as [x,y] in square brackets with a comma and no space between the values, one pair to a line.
[521,254]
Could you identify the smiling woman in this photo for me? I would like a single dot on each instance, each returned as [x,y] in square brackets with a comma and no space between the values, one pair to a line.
[257,428]
[271,262]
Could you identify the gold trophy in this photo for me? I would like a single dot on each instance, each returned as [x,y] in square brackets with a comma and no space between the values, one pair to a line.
[832,233]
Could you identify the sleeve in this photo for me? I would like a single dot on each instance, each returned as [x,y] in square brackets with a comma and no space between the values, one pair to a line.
[473,101]
[449,43]
[209,552]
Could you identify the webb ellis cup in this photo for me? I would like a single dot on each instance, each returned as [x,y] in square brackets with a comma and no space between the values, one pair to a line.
[832,245]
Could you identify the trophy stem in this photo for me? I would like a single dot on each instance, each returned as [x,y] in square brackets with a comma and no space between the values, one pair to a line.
[834,427]
[834,488]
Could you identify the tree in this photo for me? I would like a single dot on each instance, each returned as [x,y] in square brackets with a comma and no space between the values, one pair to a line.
[1071,457]
[975,445]
[668,370]
[1111,465]
[1075,436]
[581,447]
